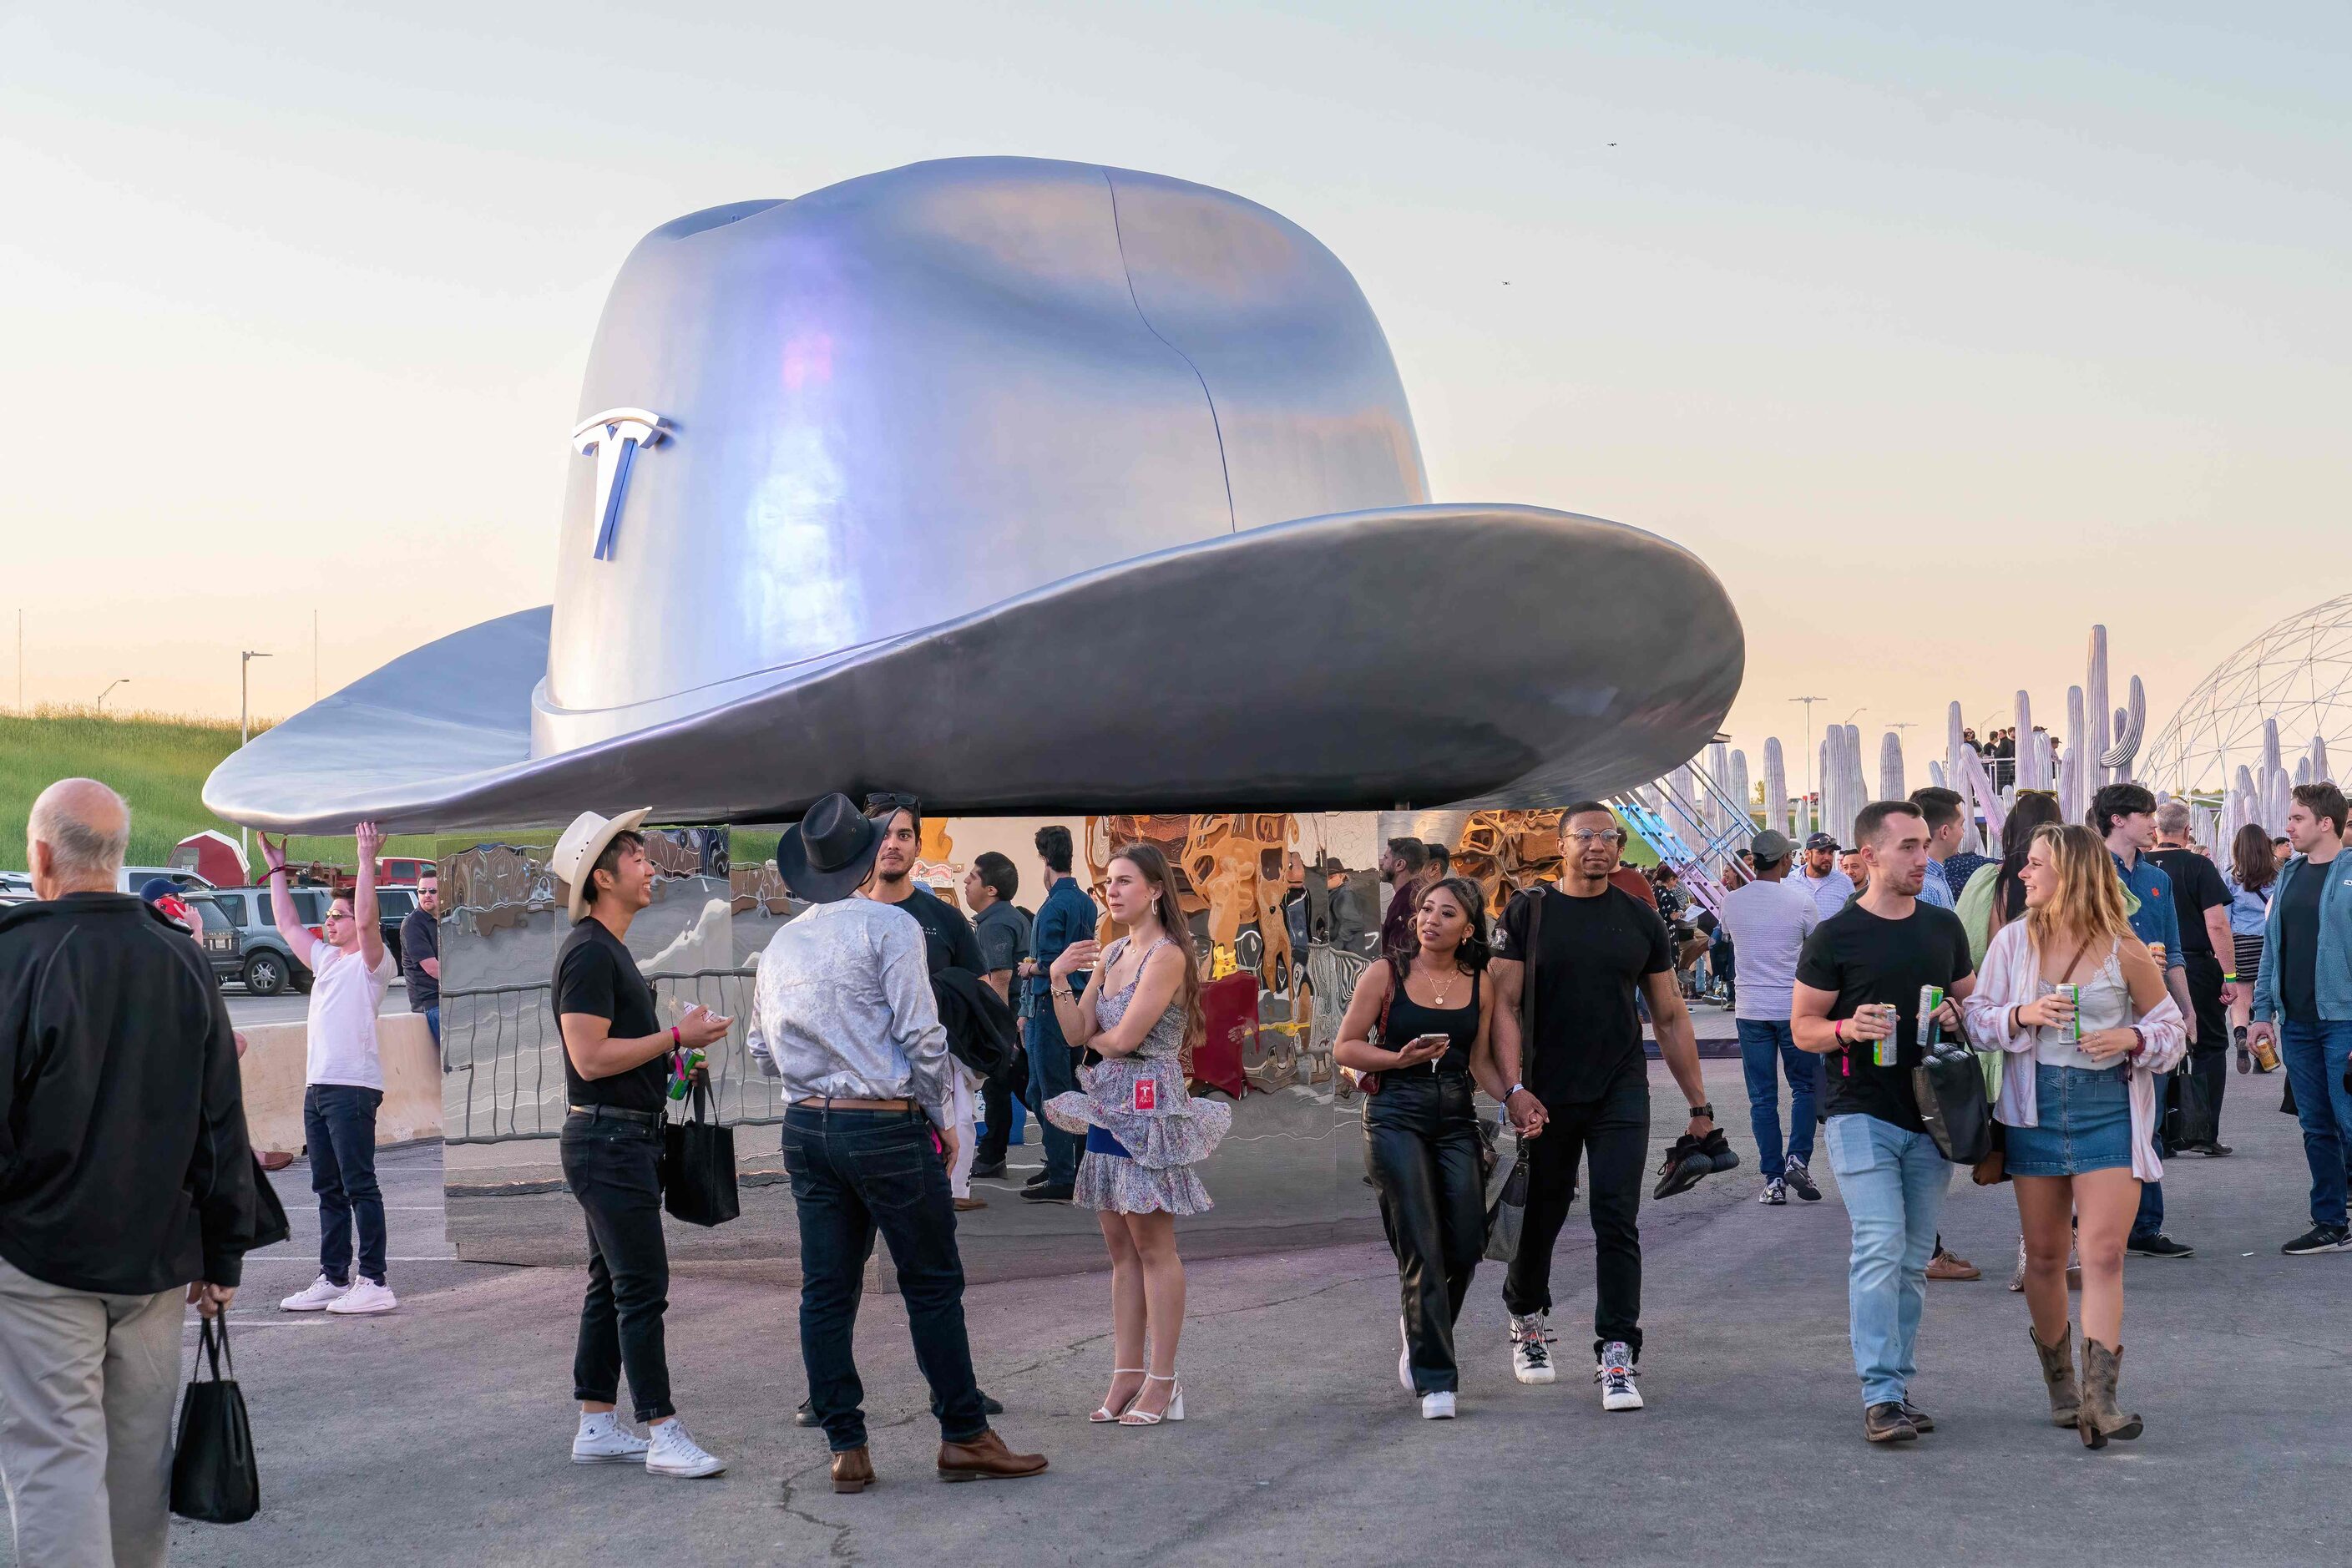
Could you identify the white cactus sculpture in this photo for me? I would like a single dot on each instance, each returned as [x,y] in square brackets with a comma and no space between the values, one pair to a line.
[1890,767]
[2024,775]
[1740,792]
[2074,786]
[2094,705]
[1777,812]
[2131,723]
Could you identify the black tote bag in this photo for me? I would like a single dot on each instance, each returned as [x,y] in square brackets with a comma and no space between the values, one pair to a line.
[1950,1088]
[215,1476]
[698,1165]
[2194,1123]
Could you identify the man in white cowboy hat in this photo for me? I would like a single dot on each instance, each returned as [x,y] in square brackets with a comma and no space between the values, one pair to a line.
[844,1014]
[616,1077]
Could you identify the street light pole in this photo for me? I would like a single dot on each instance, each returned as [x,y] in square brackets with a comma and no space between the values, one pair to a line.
[245,729]
[101,696]
[1809,813]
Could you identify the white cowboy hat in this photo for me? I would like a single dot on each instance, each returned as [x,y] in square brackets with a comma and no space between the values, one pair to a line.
[1022,485]
[575,853]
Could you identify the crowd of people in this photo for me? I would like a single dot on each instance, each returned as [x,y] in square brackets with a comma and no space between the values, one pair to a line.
[2110,967]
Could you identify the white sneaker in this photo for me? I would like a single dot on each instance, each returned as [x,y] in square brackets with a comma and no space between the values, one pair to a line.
[1437,1408]
[672,1452]
[1530,1360]
[1615,1376]
[1775,1194]
[603,1440]
[1404,1357]
[364,1297]
[313,1297]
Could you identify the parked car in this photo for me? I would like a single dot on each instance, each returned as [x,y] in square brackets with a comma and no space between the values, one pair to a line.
[266,965]
[134,878]
[394,905]
[222,944]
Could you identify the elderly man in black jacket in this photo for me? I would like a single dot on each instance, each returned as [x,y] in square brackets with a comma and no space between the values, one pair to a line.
[127,1188]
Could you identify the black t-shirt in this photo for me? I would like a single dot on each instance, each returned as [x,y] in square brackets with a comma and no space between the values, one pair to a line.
[596,975]
[2298,919]
[948,942]
[1865,958]
[1592,955]
[2197,886]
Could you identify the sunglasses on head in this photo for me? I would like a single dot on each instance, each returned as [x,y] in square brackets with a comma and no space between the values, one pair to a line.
[876,805]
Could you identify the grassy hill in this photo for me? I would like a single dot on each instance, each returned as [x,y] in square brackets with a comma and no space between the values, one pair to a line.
[159,763]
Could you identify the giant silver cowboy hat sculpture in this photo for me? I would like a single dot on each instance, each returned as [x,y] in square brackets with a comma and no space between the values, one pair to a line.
[1024,486]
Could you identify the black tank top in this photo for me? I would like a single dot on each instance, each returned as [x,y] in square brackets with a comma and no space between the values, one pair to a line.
[1408,1019]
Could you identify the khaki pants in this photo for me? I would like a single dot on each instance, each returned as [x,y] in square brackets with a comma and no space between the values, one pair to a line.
[86,1388]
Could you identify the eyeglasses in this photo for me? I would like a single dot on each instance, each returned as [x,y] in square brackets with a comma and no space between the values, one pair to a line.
[1589,836]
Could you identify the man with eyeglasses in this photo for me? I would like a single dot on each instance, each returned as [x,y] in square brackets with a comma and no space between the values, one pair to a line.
[1580,1087]
[343,1079]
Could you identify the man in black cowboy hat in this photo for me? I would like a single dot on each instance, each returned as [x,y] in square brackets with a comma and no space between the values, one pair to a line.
[843,1014]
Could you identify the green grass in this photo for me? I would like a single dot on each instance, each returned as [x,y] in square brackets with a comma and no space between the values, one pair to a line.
[157,762]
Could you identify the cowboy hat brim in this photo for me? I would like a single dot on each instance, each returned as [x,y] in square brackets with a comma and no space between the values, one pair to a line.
[1420,654]
[807,883]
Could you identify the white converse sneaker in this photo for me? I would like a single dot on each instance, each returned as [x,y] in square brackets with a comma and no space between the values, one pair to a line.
[673,1453]
[364,1297]
[1615,1376]
[1530,1360]
[1775,1194]
[313,1297]
[1404,1357]
[1437,1408]
[603,1440]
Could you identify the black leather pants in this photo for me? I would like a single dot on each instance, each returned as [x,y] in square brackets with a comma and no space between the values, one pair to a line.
[1421,1147]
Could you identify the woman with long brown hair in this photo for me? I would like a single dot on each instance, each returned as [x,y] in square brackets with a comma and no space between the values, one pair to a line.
[2252,873]
[1417,1026]
[1141,1013]
[2080,1107]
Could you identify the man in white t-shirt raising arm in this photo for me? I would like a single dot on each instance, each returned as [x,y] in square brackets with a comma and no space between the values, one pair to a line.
[343,1079]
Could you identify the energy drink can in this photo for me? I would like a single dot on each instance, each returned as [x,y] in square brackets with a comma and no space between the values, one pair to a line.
[1931,1033]
[2072,1030]
[1884,1051]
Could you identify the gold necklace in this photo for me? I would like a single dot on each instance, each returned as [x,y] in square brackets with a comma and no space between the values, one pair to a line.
[1442,992]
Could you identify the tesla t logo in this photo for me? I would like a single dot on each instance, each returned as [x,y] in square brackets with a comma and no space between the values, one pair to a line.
[615,437]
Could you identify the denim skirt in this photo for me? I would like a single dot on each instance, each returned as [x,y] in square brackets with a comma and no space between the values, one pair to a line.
[2085,1120]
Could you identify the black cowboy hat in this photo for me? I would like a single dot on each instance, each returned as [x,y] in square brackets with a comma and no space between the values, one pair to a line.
[827,855]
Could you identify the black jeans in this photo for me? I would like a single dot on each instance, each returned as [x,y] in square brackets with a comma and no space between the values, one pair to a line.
[614,1168]
[2209,1059]
[1420,1148]
[1616,1130]
[339,1124]
[853,1172]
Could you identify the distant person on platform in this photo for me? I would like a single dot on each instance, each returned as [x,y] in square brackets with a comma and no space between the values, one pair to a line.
[1405,866]
[420,953]
[124,1176]
[616,1082]
[343,1079]
[1829,886]
[1066,916]
[846,1018]
[1002,931]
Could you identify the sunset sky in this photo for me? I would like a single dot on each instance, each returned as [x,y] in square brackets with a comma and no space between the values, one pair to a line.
[1937,341]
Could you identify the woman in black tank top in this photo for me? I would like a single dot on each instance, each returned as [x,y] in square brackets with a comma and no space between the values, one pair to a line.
[1416,1030]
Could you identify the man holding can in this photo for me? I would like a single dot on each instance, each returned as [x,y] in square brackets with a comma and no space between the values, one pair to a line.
[1860,981]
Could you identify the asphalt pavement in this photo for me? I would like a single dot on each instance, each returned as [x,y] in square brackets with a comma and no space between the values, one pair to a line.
[439,1433]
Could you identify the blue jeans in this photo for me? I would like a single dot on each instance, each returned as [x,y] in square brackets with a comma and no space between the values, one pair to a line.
[339,1124]
[1052,1073]
[2315,1056]
[854,1172]
[1892,1183]
[1767,1049]
[432,1022]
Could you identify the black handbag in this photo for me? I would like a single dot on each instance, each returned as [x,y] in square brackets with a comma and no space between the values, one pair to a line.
[215,1476]
[698,1165]
[1950,1088]
[2195,1123]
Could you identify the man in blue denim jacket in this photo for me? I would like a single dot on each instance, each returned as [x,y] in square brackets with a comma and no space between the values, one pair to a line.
[2303,997]
[1066,916]
[2125,815]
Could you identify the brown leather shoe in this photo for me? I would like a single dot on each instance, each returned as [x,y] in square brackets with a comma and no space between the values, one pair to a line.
[986,1458]
[965,1206]
[853,1469]
[1952,1266]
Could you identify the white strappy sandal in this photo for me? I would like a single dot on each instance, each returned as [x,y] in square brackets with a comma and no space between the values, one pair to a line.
[1175,1411]
[1104,1414]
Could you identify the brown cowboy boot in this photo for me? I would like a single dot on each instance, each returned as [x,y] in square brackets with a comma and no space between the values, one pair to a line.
[2100,1420]
[986,1458]
[2058,1374]
[853,1469]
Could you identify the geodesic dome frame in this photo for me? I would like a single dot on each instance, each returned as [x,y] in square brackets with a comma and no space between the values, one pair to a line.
[2298,672]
